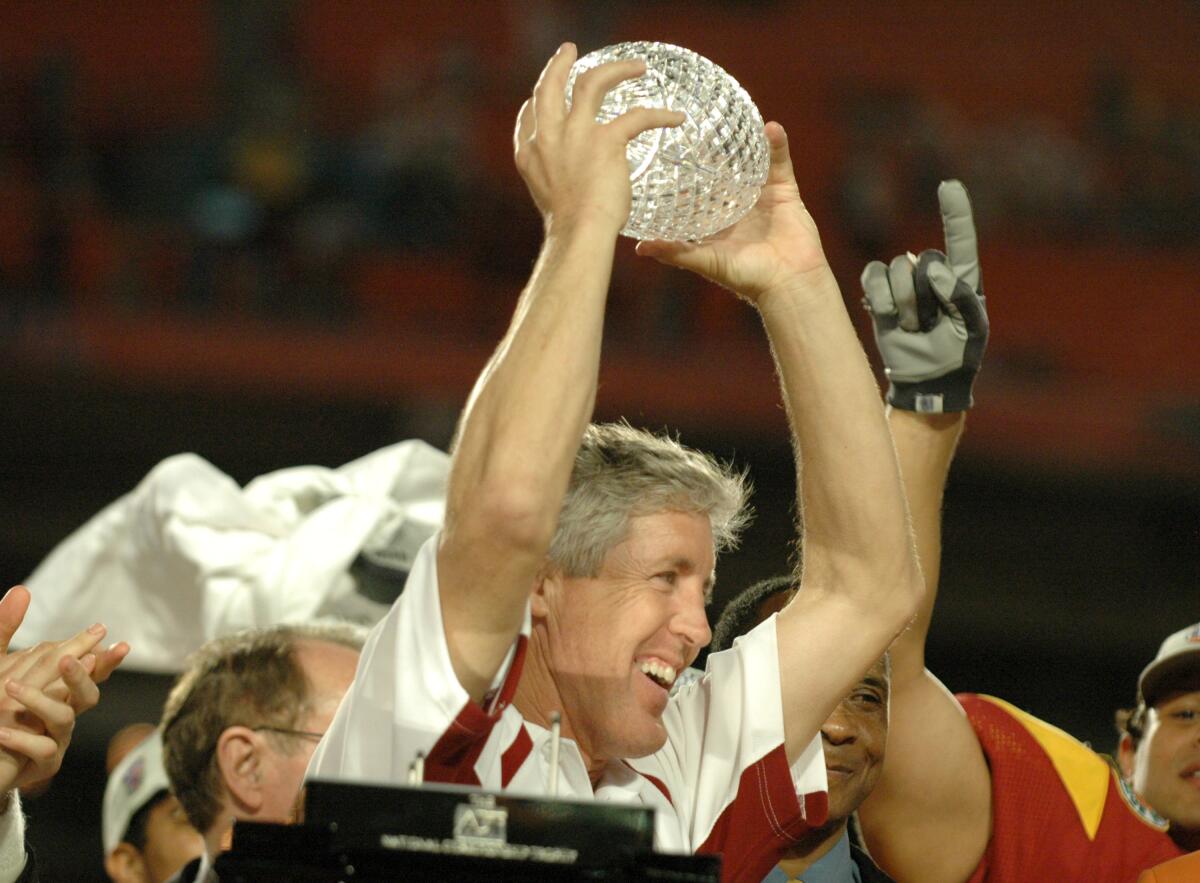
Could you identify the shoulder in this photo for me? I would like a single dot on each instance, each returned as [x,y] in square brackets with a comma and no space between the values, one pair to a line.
[1053,793]
[1004,728]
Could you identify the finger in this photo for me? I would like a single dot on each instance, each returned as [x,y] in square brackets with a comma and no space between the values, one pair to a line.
[904,293]
[972,309]
[942,280]
[958,226]
[13,607]
[57,718]
[16,665]
[549,102]
[591,86]
[82,690]
[781,171]
[97,670]
[927,299]
[685,255]
[523,130]
[108,660]
[40,749]
[633,122]
[878,292]
[45,668]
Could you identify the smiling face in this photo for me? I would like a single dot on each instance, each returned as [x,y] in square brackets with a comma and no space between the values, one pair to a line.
[854,738]
[1164,768]
[615,642]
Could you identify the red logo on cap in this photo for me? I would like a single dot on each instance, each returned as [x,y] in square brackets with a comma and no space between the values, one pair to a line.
[1193,637]
[132,779]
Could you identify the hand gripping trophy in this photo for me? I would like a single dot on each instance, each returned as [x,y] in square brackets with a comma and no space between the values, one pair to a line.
[691,181]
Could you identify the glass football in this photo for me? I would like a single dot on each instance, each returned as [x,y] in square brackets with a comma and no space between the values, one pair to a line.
[694,180]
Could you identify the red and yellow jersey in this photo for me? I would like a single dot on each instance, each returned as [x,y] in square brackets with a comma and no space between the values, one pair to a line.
[1059,810]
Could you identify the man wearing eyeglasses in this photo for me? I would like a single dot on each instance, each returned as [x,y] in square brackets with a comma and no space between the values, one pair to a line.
[241,723]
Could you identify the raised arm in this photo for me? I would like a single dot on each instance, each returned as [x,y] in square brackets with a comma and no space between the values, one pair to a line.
[860,580]
[929,817]
[525,418]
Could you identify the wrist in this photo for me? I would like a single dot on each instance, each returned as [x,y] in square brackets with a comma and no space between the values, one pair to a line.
[949,393]
[584,222]
[797,293]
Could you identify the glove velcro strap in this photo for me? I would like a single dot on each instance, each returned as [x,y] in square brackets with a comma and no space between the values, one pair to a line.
[948,393]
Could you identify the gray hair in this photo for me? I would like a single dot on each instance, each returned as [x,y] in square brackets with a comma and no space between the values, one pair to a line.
[620,473]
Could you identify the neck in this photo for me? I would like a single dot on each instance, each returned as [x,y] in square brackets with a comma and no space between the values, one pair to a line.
[219,838]
[537,698]
[812,847]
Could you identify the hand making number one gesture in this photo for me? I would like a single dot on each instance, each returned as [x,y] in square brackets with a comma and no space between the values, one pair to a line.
[930,318]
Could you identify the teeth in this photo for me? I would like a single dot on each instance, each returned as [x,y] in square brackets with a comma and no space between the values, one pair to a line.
[661,672]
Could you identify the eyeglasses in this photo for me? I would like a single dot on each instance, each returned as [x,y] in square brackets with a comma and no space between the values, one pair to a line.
[283,731]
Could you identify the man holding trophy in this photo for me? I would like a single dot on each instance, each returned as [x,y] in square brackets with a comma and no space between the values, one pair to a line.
[567,589]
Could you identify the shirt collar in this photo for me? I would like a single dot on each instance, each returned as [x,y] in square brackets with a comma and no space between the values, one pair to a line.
[835,866]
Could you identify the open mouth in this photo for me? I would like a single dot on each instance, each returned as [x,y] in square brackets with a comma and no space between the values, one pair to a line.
[659,672]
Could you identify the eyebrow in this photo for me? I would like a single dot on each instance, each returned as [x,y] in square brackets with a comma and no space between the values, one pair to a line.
[878,683]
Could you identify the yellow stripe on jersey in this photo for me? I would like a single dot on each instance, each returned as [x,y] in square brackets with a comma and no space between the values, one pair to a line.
[1084,773]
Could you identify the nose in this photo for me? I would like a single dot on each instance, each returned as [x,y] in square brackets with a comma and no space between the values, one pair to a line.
[838,729]
[690,622]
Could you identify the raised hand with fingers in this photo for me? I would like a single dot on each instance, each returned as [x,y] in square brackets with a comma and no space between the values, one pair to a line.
[575,167]
[930,317]
[774,247]
[45,688]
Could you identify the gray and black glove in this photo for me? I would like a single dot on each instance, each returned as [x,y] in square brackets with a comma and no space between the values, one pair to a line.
[930,318]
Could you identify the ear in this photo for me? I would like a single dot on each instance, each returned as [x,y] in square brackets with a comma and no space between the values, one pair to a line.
[547,583]
[539,602]
[126,865]
[1125,755]
[240,760]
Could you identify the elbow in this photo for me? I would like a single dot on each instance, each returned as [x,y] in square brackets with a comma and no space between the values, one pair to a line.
[888,592]
[510,517]
[893,599]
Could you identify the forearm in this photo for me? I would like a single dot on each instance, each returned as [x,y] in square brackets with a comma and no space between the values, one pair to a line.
[925,446]
[855,526]
[522,424]
[519,434]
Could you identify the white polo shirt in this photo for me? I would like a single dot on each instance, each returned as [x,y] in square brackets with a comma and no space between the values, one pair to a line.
[720,784]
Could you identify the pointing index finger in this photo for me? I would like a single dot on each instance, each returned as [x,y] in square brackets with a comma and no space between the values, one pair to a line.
[958,225]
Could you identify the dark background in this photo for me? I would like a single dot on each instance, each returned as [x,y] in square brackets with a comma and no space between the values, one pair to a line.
[278,232]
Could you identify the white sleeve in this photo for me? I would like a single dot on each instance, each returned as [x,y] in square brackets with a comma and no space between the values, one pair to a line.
[12,840]
[726,752]
[407,699]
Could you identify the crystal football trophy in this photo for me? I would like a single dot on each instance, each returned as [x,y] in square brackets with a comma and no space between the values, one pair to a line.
[694,180]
